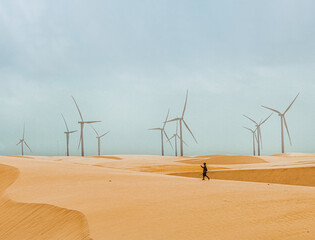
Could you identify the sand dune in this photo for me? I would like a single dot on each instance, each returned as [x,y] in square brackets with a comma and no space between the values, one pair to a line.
[304,176]
[15,156]
[108,157]
[36,221]
[172,168]
[120,202]
[224,159]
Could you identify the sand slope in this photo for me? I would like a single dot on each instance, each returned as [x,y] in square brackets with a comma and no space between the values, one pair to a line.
[304,176]
[119,202]
[36,221]
[224,159]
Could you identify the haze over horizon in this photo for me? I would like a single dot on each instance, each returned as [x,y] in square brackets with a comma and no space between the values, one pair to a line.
[128,62]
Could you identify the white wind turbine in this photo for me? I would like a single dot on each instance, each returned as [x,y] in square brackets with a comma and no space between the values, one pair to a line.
[181,121]
[176,136]
[68,132]
[258,125]
[82,122]
[254,138]
[99,139]
[163,132]
[283,121]
[22,142]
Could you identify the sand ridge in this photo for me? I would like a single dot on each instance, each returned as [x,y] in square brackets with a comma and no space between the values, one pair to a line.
[224,159]
[36,221]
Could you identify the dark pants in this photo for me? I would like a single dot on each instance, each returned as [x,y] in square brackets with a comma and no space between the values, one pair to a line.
[204,175]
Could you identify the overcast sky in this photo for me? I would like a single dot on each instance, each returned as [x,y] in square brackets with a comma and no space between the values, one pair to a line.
[126,62]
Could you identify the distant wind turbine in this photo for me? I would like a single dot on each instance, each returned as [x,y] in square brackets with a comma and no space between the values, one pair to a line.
[22,142]
[283,121]
[68,132]
[258,125]
[99,139]
[254,138]
[82,122]
[163,132]
[181,121]
[175,136]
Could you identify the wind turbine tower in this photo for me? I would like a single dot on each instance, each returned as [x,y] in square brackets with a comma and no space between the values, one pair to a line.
[68,132]
[82,122]
[181,122]
[283,122]
[99,139]
[22,142]
[254,139]
[258,125]
[163,132]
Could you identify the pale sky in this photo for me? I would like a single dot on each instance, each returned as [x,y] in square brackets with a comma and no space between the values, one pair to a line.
[127,62]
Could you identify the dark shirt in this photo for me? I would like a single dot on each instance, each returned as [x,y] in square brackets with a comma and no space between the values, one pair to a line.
[205,169]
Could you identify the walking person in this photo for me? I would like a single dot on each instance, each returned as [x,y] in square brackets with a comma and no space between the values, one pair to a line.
[205,170]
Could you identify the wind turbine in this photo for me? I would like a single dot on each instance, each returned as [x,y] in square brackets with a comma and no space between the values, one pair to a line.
[254,138]
[181,121]
[175,136]
[82,122]
[163,132]
[22,142]
[283,121]
[258,125]
[68,132]
[99,139]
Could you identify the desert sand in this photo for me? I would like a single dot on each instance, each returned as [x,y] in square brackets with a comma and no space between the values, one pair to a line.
[153,197]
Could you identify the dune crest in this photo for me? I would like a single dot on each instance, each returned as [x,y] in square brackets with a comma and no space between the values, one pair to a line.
[34,220]
[224,159]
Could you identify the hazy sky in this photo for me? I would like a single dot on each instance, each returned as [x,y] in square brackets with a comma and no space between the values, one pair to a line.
[126,62]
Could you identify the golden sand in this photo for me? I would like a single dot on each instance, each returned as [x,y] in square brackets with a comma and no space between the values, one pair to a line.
[72,199]
[224,159]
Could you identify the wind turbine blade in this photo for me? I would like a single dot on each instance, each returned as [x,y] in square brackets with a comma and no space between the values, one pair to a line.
[168,138]
[250,119]
[182,140]
[73,131]
[155,129]
[291,104]
[24,130]
[174,119]
[28,146]
[166,118]
[80,140]
[185,143]
[265,119]
[249,129]
[286,127]
[185,103]
[78,108]
[104,134]
[65,122]
[94,130]
[256,137]
[172,137]
[189,130]
[90,122]
[19,143]
[260,138]
[176,127]
[271,109]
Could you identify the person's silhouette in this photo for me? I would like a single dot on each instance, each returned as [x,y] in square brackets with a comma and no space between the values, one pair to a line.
[205,170]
